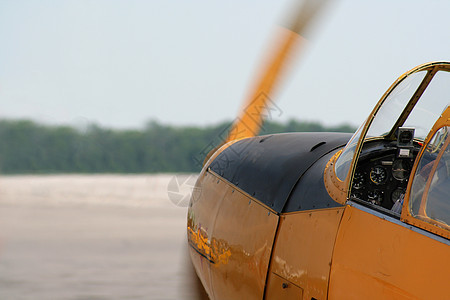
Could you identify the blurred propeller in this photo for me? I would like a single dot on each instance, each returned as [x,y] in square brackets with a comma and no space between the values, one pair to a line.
[249,122]
[259,102]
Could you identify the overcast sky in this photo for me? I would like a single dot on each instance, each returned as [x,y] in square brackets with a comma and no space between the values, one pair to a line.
[122,63]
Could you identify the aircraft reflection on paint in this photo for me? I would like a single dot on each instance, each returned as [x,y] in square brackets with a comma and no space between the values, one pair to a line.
[329,215]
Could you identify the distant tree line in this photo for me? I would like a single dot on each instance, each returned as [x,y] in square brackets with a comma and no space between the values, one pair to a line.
[30,147]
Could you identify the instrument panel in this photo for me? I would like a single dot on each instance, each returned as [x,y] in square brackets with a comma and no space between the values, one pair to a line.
[382,173]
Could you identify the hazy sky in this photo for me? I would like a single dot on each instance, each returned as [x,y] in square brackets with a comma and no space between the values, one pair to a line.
[122,63]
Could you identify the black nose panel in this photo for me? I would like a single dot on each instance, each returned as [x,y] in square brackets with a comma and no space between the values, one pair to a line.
[268,167]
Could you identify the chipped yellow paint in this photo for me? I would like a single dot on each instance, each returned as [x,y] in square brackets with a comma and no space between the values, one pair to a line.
[217,252]
[230,262]
[303,250]
[375,258]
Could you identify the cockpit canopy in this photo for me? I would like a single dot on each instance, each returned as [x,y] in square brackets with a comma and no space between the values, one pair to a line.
[415,100]
[398,161]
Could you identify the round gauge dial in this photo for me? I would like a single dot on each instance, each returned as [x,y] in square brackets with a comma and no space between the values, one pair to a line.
[378,175]
[358,180]
[396,194]
[375,197]
[401,169]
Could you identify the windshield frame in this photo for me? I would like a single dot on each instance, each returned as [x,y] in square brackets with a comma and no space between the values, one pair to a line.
[431,68]
[407,214]
[412,102]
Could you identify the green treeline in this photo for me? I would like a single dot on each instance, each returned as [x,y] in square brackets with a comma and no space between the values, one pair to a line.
[29,147]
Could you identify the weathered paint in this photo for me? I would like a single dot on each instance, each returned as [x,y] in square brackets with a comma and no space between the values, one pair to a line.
[304,247]
[348,252]
[377,258]
[231,250]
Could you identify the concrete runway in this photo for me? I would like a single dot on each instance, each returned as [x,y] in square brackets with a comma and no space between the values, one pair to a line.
[92,237]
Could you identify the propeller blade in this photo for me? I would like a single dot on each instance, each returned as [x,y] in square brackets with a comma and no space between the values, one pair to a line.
[249,122]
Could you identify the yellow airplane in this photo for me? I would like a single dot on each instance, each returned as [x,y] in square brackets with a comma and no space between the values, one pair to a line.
[329,215]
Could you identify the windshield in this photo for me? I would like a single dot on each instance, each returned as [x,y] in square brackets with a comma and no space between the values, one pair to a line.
[430,106]
[415,103]
[383,121]
[421,115]
[394,104]
[345,159]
